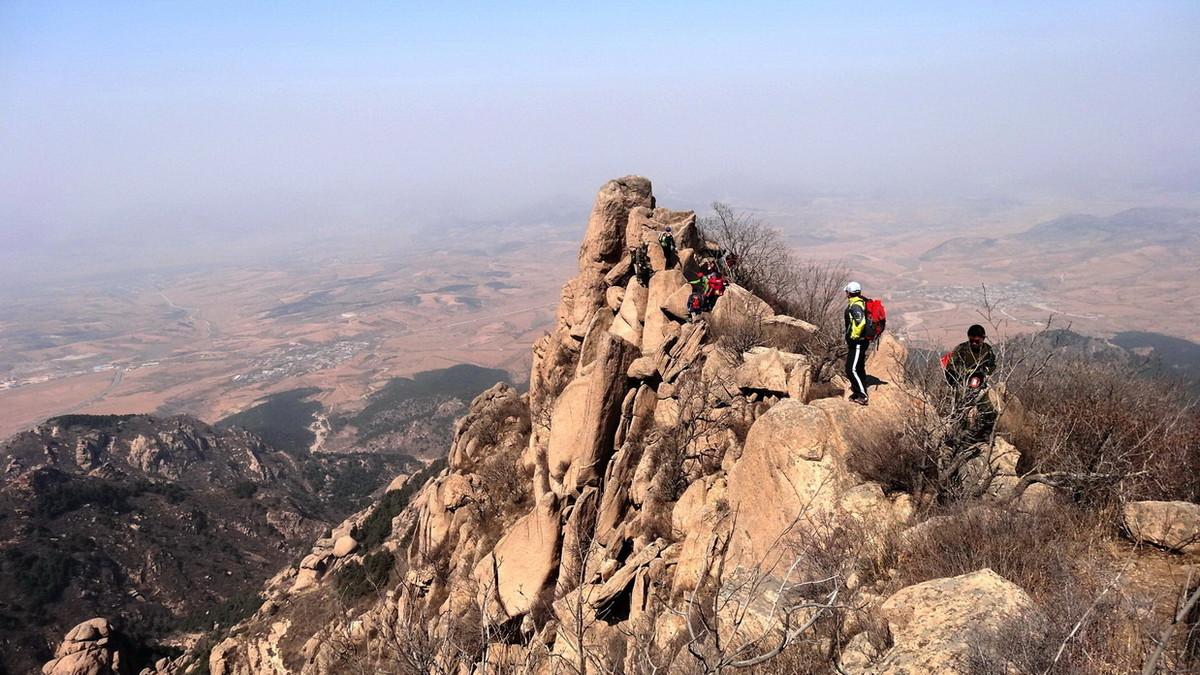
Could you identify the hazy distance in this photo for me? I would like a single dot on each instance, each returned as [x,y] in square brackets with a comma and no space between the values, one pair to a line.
[133,132]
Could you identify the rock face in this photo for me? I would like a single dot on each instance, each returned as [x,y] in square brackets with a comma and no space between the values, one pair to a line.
[1174,526]
[645,473]
[940,625]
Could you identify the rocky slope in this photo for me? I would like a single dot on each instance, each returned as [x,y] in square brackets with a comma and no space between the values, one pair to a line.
[659,501]
[156,521]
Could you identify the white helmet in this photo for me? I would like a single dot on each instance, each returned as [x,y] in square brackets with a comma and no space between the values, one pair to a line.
[854,287]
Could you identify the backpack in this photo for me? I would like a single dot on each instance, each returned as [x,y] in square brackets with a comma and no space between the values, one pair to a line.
[876,319]
[695,302]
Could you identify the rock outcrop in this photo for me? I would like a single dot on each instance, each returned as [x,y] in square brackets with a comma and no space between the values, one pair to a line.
[645,477]
[91,648]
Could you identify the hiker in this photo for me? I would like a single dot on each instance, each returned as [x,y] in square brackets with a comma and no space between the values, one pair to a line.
[695,305]
[858,334]
[667,241]
[968,367]
[700,283]
[641,264]
[716,288]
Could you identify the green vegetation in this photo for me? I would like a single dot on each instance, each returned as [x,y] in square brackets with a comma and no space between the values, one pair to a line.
[356,580]
[282,420]
[97,422]
[463,381]
[225,614]
[376,528]
[244,489]
[40,576]
[63,497]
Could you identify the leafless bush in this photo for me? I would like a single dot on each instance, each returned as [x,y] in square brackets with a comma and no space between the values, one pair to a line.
[761,254]
[736,335]
[749,616]
[1034,551]
[894,456]
[505,488]
[1109,434]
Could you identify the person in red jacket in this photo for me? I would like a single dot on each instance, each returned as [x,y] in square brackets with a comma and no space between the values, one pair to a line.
[716,288]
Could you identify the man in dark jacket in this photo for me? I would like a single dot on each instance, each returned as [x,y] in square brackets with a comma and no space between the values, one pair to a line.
[971,359]
[970,365]
[857,341]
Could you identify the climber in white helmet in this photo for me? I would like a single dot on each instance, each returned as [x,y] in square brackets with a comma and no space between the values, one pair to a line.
[858,332]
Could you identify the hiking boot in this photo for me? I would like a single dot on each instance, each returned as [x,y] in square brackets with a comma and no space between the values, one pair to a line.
[861,400]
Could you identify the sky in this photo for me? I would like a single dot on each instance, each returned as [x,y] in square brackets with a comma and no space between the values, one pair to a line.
[164,121]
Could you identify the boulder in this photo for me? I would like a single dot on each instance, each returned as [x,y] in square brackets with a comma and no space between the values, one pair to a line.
[767,369]
[1174,526]
[601,251]
[344,546]
[939,626]
[604,240]
[585,418]
[787,332]
[614,296]
[646,224]
[993,472]
[576,536]
[739,304]
[398,482]
[676,303]
[858,654]
[643,368]
[628,322]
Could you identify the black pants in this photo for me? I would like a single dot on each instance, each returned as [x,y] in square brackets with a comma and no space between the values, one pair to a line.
[856,366]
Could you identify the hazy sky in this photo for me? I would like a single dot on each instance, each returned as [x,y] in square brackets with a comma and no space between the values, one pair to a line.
[159,118]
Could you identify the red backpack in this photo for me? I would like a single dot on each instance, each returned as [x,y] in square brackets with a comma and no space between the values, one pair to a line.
[876,318]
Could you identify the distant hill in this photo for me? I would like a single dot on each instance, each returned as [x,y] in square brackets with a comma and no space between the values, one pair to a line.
[416,414]
[1132,227]
[1174,356]
[169,523]
[958,246]
[1160,225]
[282,420]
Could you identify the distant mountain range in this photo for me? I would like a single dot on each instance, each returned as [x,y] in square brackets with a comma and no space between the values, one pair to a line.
[1138,226]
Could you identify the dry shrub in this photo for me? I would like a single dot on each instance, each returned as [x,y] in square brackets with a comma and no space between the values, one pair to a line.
[1115,434]
[898,457]
[736,335]
[1034,551]
[804,289]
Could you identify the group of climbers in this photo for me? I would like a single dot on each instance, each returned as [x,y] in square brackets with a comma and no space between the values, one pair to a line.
[967,367]
[708,285]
